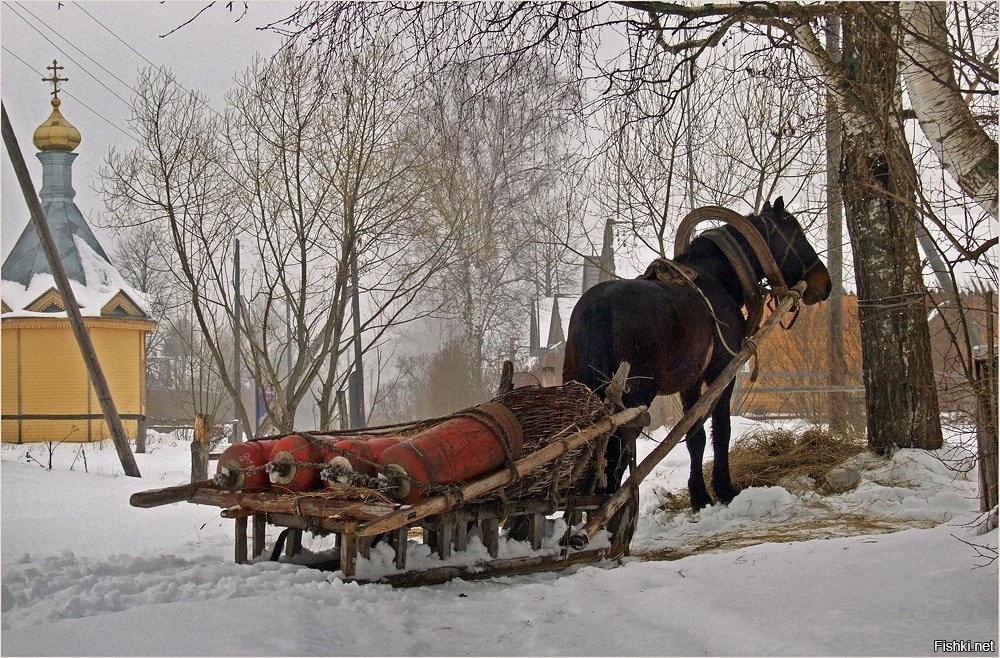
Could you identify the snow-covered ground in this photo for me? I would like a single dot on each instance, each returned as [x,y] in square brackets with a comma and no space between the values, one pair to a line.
[83,573]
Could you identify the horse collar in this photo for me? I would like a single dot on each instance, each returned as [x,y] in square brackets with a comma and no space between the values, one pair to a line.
[737,258]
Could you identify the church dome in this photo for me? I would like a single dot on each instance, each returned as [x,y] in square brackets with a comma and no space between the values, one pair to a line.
[56,134]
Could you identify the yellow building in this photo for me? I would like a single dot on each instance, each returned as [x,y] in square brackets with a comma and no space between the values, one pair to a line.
[46,391]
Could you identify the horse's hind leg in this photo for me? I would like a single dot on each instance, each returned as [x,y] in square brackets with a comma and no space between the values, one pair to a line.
[696,449]
[722,485]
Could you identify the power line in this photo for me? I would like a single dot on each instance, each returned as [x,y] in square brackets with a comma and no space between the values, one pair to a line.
[67,55]
[114,34]
[63,91]
[80,50]
[159,67]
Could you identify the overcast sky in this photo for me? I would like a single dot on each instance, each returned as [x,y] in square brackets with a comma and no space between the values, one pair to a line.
[102,46]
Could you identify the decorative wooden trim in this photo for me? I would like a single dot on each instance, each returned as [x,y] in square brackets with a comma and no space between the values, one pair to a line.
[3,307]
[20,416]
[46,301]
[129,324]
[125,303]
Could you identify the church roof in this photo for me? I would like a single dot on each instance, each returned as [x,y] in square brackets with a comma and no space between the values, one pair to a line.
[67,224]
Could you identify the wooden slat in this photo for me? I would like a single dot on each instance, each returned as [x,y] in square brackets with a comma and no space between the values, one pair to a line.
[491,536]
[536,530]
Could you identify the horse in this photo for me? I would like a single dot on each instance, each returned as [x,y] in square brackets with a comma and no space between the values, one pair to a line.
[678,335]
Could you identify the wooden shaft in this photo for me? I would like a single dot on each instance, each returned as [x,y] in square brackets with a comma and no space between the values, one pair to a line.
[167,495]
[69,300]
[693,415]
[530,463]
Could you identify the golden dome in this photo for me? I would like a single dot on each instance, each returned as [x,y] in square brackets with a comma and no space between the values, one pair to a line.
[56,134]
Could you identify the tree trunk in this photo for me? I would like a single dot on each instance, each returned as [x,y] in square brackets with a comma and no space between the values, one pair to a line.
[961,144]
[901,398]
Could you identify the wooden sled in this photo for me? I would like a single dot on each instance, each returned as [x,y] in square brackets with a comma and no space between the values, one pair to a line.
[444,521]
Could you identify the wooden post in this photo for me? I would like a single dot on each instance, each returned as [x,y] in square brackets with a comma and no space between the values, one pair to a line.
[140,436]
[348,552]
[199,450]
[491,536]
[461,534]
[241,539]
[536,530]
[986,430]
[397,539]
[69,300]
[259,530]
[293,545]
[445,536]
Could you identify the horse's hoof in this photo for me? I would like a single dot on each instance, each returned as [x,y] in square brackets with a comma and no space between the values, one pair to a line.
[700,502]
[726,495]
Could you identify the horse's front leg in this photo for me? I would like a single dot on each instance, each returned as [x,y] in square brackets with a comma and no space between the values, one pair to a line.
[722,485]
[695,440]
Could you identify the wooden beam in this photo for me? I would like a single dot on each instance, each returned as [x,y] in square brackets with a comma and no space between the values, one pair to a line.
[69,300]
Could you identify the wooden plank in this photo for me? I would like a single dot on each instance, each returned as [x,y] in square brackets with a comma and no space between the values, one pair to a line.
[241,540]
[318,506]
[484,485]
[259,530]
[694,415]
[492,569]
[365,547]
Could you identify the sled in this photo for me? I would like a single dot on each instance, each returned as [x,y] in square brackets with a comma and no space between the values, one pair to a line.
[566,428]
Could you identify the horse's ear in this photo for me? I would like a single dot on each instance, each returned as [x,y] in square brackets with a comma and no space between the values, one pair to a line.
[767,206]
[779,206]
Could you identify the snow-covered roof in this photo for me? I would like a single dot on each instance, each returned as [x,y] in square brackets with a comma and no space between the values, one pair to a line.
[105,292]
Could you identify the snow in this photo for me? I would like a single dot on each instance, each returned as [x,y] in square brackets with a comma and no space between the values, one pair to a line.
[83,573]
[103,283]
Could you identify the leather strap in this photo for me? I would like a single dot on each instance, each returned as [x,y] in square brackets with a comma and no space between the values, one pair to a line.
[752,298]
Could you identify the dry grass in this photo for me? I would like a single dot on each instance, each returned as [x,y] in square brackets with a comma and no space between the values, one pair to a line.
[763,456]
[843,525]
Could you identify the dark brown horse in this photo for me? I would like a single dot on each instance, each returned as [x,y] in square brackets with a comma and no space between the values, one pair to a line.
[667,333]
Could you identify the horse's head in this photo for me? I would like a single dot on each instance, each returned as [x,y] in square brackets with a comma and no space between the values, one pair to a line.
[792,252]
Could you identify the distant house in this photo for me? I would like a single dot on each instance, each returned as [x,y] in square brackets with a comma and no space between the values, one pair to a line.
[47,395]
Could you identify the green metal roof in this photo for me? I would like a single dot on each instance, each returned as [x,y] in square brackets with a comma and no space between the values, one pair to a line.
[65,221]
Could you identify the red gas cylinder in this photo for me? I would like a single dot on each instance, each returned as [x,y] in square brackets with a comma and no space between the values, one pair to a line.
[368,450]
[286,470]
[456,450]
[241,466]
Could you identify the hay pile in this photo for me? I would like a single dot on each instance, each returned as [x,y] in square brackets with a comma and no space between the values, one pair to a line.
[762,457]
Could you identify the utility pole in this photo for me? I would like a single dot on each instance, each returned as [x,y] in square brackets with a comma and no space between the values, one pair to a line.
[237,435]
[357,380]
[835,242]
[97,379]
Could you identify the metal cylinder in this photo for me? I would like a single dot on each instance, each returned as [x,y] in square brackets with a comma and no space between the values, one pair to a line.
[456,450]
[287,468]
[241,466]
[360,454]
